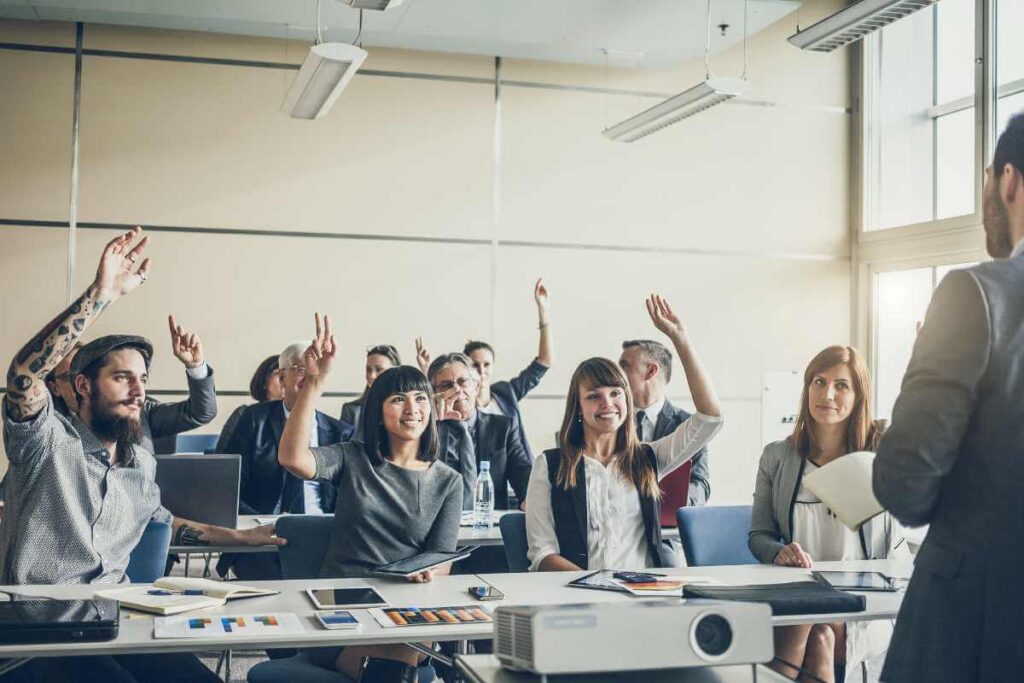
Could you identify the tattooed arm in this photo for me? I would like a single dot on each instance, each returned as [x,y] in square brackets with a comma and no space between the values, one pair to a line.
[186,532]
[26,385]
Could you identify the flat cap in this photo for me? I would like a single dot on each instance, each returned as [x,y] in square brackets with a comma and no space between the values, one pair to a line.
[98,348]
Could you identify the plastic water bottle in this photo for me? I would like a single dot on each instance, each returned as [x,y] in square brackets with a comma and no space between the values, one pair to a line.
[483,500]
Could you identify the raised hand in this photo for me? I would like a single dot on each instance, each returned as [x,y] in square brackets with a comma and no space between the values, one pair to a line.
[664,318]
[422,355]
[540,295]
[319,357]
[187,347]
[116,274]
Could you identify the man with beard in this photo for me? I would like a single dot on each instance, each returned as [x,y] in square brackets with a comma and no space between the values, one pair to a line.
[954,456]
[80,490]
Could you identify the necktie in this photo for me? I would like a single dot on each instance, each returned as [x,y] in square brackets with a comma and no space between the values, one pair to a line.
[640,425]
[465,453]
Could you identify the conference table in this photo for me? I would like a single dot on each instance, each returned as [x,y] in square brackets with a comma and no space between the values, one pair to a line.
[487,669]
[136,634]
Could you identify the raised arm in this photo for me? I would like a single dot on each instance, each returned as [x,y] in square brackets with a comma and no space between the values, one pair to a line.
[545,352]
[701,390]
[422,355]
[115,277]
[166,419]
[294,453]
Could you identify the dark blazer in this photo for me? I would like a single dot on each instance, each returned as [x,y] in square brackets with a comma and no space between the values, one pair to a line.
[229,428]
[953,458]
[161,422]
[350,414]
[569,509]
[263,480]
[669,419]
[509,393]
[494,439]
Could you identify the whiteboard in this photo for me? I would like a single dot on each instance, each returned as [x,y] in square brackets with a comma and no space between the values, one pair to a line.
[780,401]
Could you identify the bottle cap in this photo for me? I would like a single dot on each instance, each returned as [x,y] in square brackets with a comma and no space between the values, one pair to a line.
[485,466]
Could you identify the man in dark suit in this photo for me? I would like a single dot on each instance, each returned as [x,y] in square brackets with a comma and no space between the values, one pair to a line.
[647,365]
[469,436]
[267,488]
[954,456]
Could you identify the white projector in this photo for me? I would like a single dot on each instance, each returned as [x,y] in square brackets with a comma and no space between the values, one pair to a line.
[632,636]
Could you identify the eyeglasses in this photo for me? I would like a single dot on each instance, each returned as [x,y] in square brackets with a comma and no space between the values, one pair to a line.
[299,370]
[462,382]
[65,376]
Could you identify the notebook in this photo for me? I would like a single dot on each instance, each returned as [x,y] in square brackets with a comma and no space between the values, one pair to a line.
[844,485]
[214,594]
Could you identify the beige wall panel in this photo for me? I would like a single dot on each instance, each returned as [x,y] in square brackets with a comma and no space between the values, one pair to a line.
[749,178]
[33,262]
[743,315]
[35,142]
[49,33]
[202,145]
[249,297]
[221,46]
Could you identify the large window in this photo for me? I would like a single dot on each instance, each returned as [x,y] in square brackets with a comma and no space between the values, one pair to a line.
[900,302]
[1009,61]
[921,88]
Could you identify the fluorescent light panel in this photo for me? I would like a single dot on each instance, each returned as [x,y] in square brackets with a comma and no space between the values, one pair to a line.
[853,23]
[676,108]
[325,72]
[379,5]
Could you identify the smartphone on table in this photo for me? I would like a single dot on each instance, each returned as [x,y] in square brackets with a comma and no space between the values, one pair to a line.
[337,619]
[486,593]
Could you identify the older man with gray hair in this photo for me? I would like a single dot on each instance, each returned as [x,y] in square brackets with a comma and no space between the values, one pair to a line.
[266,488]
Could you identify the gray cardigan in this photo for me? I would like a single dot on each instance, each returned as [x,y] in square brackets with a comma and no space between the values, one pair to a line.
[778,479]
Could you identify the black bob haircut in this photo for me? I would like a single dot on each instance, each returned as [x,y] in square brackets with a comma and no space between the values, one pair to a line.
[258,383]
[1010,148]
[375,437]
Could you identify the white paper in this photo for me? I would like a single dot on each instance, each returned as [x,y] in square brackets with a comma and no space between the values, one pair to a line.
[675,592]
[255,625]
[844,485]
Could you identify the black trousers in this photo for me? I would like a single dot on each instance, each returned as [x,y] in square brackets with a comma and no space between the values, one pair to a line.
[159,668]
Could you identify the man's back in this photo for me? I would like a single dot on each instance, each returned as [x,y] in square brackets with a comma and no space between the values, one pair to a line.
[954,458]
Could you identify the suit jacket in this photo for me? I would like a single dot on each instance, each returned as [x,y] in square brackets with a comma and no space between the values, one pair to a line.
[494,439]
[162,421]
[953,458]
[509,393]
[263,480]
[669,419]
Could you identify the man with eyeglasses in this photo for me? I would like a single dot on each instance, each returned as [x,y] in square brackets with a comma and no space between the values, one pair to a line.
[266,487]
[469,436]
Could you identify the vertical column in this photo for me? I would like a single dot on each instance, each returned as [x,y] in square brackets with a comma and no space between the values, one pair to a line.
[495,196]
[73,210]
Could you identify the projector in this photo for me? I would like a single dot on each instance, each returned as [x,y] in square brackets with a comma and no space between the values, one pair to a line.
[632,636]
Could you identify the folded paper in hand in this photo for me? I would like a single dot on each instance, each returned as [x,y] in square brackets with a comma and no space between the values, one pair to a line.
[844,485]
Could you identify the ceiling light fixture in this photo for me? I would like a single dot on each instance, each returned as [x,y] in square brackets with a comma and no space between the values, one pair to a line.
[378,5]
[853,23]
[712,91]
[324,73]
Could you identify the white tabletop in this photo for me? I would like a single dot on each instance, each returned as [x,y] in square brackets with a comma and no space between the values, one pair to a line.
[136,632]
[487,669]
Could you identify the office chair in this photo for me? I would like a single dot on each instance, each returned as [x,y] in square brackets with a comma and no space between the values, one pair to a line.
[715,535]
[195,443]
[148,560]
[513,537]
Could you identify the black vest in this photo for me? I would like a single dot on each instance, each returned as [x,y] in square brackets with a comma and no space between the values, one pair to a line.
[569,508]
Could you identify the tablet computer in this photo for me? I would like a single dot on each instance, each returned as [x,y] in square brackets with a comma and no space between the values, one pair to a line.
[856,581]
[338,598]
[422,562]
[599,581]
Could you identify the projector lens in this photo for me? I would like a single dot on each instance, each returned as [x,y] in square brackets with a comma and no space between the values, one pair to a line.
[713,635]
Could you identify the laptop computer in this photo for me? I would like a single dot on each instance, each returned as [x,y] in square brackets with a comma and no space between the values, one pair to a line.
[675,494]
[41,620]
[203,488]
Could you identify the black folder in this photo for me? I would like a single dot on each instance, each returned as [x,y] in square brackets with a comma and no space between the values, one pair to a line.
[799,597]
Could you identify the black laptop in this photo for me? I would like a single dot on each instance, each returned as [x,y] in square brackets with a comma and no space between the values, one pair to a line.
[28,620]
[202,488]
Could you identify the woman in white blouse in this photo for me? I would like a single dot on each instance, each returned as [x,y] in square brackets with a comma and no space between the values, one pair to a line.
[791,527]
[593,502]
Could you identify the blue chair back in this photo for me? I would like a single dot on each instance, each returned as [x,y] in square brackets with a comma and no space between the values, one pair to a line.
[148,560]
[513,536]
[715,535]
[308,537]
[195,443]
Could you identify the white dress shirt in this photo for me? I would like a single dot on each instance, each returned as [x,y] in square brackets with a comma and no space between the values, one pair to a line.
[310,489]
[650,419]
[615,523]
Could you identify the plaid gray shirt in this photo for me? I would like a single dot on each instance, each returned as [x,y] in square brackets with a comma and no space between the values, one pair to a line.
[69,517]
